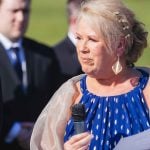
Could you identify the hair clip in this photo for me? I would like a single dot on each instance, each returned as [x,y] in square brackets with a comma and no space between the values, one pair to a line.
[127,36]
[124,23]
[123,20]
[116,13]
[126,27]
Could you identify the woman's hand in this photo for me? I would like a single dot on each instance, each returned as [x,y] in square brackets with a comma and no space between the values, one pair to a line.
[79,142]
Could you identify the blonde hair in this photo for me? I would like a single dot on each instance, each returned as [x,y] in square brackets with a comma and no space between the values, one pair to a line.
[115,21]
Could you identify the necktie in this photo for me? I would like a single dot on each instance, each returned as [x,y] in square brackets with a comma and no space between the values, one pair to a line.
[17,62]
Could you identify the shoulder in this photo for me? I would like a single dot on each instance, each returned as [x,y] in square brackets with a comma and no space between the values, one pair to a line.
[33,42]
[65,92]
[71,85]
[147,88]
[37,47]
[63,44]
[146,69]
[74,80]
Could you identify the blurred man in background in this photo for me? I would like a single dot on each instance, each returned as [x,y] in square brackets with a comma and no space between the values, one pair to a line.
[66,50]
[29,74]
[1,120]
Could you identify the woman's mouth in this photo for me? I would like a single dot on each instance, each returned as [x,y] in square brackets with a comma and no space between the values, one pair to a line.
[87,60]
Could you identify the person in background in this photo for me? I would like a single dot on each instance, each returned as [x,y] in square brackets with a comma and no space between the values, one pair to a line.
[1,109]
[66,49]
[114,92]
[29,72]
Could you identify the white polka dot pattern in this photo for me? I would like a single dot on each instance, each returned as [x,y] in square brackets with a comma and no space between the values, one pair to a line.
[111,118]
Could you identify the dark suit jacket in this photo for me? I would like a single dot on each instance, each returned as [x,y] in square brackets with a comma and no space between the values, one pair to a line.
[1,120]
[67,57]
[43,74]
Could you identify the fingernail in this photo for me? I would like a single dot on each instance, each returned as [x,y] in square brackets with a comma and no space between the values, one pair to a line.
[92,136]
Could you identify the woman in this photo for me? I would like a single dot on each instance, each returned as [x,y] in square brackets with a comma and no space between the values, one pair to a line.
[115,93]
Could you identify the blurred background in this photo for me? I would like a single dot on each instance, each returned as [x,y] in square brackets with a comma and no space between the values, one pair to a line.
[48,23]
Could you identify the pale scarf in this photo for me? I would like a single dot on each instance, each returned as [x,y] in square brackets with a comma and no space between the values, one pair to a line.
[49,129]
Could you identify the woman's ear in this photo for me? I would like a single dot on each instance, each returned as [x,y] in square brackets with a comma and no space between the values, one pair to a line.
[121,47]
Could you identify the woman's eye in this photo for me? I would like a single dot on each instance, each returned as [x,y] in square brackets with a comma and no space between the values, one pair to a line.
[78,38]
[91,39]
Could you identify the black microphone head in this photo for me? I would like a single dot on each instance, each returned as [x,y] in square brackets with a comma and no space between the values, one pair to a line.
[78,112]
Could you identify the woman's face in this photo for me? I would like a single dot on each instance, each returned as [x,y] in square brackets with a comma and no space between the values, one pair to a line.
[92,52]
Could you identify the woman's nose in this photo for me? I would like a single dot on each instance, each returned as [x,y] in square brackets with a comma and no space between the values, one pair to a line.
[82,47]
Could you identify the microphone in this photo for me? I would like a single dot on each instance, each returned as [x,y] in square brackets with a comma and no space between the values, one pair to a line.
[78,115]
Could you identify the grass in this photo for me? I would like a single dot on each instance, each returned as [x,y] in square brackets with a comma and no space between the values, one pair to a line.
[48,22]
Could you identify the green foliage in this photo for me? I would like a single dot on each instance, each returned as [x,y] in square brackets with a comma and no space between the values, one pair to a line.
[48,22]
[141,9]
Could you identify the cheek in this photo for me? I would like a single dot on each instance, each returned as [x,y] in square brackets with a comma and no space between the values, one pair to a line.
[101,57]
[96,52]
[77,51]
[77,46]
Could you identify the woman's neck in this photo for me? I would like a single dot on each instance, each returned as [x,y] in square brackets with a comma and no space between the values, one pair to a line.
[115,84]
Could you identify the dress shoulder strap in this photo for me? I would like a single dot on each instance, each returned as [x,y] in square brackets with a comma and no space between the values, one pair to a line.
[143,79]
[83,84]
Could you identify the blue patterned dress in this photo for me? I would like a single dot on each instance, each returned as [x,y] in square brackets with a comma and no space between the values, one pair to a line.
[111,118]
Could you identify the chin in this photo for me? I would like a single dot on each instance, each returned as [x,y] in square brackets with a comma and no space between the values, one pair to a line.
[91,73]
[18,33]
[88,72]
[14,39]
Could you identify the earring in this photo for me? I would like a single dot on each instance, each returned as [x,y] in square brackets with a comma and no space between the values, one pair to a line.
[117,67]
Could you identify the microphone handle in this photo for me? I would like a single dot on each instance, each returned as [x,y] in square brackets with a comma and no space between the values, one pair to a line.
[79,127]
